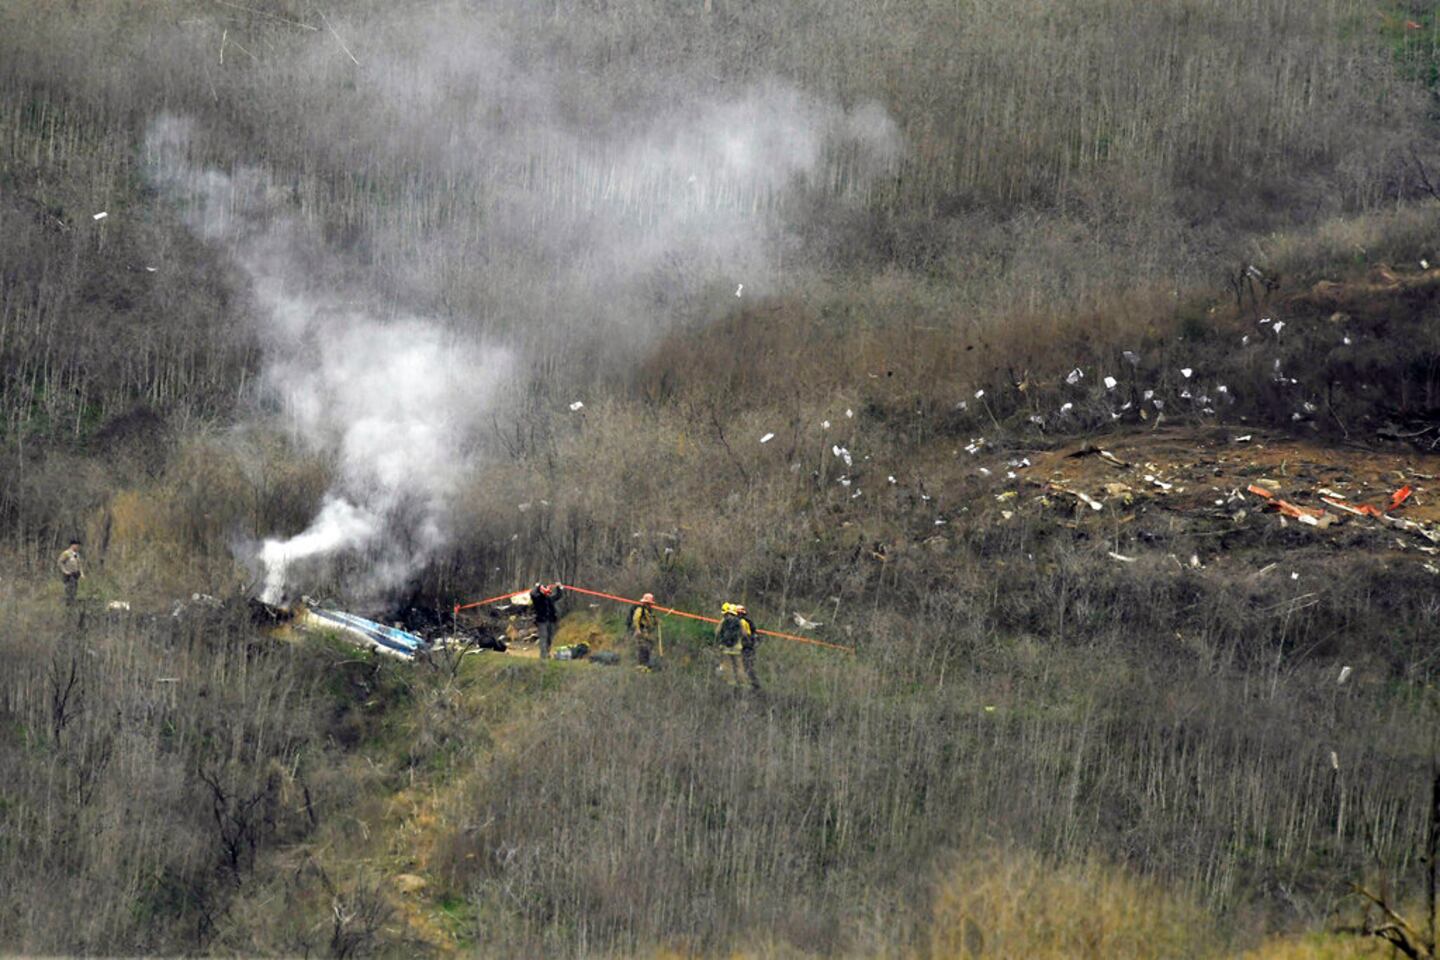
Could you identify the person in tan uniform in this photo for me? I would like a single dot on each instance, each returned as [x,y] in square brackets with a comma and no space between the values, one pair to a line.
[71,570]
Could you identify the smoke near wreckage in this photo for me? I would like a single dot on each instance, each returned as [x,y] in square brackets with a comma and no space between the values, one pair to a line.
[396,401]
[621,220]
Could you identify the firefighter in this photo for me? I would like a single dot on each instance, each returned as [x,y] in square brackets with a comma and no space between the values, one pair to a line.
[543,597]
[749,640]
[731,635]
[645,628]
[71,570]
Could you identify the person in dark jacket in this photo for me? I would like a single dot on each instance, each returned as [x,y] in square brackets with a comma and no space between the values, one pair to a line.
[543,599]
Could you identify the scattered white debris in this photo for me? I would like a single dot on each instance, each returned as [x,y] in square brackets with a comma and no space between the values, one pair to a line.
[1264,320]
[151,269]
[940,523]
[1121,557]
[962,405]
[118,605]
[1424,265]
[1184,394]
[1075,376]
[1309,407]
[856,494]
[577,405]
[1147,395]
[984,472]
[804,624]
[1195,561]
[926,496]
[767,438]
[979,394]
[824,424]
[1346,341]
[100,216]
[1279,325]
[1066,407]
[843,454]
[1245,439]
[1222,390]
[1037,419]
[1110,383]
[1294,576]
[1245,340]
[891,479]
[1131,358]
[740,289]
[1344,675]
[1334,760]
[1185,372]
[849,414]
[845,482]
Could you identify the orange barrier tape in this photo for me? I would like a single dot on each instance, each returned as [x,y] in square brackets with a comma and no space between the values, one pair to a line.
[669,610]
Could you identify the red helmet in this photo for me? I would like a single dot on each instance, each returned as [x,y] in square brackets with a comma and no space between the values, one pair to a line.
[648,598]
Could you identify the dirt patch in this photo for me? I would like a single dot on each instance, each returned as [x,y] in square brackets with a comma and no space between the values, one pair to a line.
[1233,485]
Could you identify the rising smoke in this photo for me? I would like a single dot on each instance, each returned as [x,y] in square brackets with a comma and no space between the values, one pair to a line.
[603,221]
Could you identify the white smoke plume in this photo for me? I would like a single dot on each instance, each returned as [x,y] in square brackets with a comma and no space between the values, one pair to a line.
[553,214]
[394,401]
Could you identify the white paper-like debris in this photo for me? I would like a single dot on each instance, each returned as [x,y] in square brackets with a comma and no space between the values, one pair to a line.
[979,394]
[740,289]
[1010,475]
[1110,383]
[962,405]
[1424,265]
[924,496]
[1309,407]
[890,479]
[150,269]
[100,216]
[824,424]
[939,523]
[1066,407]
[1131,358]
[1346,341]
[1036,418]
[1159,404]
[1222,389]
[577,405]
[849,414]
[1147,395]
[1264,320]
[1184,394]
[1125,405]
[856,494]
[1075,376]
[845,481]
[1344,674]
[1279,325]
[767,438]
[1185,372]
[1245,340]
[984,472]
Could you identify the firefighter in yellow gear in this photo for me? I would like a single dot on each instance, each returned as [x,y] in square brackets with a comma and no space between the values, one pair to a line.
[645,628]
[736,637]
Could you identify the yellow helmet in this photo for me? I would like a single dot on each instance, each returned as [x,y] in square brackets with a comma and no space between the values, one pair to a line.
[727,608]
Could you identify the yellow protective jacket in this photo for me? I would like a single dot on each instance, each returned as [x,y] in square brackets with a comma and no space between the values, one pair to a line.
[643,622]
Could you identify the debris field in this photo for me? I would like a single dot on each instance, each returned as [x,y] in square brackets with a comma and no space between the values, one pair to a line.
[1233,486]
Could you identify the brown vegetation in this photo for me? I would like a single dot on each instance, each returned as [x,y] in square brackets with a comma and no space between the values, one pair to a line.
[1037,751]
